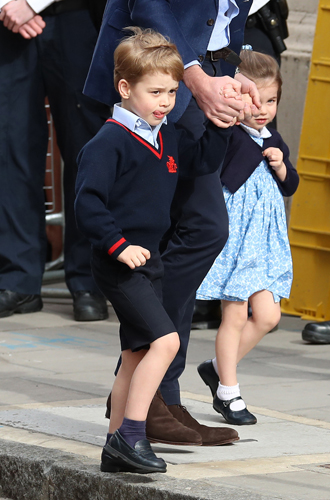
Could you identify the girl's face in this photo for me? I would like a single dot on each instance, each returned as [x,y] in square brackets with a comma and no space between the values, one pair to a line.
[267,112]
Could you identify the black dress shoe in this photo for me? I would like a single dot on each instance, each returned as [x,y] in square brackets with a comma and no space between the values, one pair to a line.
[209,375]
[241,417]
[89,306]
[111,464]
[207,315]
[14,302]
[141,457]
[317,333]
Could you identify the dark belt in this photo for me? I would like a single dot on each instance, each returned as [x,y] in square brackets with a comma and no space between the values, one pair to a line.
[64,6]
[226,54]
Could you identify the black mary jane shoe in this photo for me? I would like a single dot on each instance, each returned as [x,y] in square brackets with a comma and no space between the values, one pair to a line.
[141,457]
[209,375]
[241,417]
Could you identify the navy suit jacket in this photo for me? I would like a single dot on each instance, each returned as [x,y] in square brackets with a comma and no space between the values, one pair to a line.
[183,21]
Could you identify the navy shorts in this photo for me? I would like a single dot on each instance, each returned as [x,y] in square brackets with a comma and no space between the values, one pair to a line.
[136,296]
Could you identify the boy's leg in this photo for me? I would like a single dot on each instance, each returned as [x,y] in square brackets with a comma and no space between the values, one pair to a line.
[120,388]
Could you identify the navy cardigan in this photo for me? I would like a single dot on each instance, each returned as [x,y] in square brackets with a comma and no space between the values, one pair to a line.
[244,155]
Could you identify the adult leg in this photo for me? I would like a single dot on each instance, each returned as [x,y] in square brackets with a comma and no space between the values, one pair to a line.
[200,235]
[67,47]
[23,146]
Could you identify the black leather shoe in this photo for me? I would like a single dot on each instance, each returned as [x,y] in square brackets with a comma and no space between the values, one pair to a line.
[89,306]
[207,315]
[209,375]
[111,464]
[317,333]
[14,302]
[141,457]
[241,417]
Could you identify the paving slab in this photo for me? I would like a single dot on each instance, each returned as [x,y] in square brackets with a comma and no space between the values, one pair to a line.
[55,375]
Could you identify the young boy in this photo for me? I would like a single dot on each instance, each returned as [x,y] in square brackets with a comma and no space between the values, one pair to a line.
[125,185]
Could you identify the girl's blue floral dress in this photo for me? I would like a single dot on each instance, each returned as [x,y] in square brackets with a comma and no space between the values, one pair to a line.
[257,254]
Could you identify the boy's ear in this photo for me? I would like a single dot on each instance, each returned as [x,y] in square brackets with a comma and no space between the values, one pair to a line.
[124,89]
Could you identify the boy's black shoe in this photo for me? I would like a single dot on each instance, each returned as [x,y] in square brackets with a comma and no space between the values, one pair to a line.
[241,417]
[141,457]
[111,464]
[209,375]
[14,302]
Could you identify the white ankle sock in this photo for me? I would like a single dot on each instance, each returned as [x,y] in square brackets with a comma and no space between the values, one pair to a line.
[226,393]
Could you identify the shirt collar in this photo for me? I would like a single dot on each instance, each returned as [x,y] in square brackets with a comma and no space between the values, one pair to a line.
[137,124]
[263,133]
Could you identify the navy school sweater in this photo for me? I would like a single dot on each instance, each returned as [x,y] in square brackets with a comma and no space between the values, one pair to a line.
[244,155]
[125,186]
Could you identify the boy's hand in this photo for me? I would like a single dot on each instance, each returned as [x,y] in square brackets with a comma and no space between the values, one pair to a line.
[134,256]
[275,158]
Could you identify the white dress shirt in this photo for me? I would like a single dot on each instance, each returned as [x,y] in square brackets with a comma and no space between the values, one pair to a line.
[36,5]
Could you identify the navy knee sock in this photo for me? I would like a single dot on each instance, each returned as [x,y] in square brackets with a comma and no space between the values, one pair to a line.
[133,431]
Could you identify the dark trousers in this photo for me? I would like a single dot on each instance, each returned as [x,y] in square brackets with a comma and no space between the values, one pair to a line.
[199,236]
[53,64]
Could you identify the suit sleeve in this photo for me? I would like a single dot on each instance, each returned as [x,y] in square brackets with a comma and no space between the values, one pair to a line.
[159,16]
[97,170]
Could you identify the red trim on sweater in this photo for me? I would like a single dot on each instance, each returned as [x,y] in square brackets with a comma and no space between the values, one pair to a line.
[145,143]
[115,246]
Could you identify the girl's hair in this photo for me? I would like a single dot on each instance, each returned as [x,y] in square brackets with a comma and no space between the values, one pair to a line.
[259,67]
[145,52]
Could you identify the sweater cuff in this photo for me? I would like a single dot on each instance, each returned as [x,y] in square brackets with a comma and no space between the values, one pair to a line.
[117,248]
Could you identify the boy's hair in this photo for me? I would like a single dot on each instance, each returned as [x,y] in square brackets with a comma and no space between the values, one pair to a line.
[145,52]
[258,67]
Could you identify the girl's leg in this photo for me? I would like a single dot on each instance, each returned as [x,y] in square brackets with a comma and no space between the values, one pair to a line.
[121,386]
[265,315]
[234,318]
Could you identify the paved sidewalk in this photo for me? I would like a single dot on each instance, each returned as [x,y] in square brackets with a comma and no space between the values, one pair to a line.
[55,375]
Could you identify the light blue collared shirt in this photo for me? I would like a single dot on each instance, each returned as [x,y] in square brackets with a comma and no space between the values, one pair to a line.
[137,124]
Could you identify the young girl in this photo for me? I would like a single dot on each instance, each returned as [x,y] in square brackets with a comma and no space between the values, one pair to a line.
[255,265]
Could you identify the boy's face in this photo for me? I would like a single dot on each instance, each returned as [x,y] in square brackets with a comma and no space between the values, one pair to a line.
[151,98]
[267,112]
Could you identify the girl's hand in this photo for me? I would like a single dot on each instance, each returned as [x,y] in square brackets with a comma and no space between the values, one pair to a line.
[275,158]
[134,256]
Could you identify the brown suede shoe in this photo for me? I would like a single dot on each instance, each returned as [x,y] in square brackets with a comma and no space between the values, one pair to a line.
[211,436]
[163,427]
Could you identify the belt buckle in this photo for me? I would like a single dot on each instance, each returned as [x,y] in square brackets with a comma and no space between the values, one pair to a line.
[212,57]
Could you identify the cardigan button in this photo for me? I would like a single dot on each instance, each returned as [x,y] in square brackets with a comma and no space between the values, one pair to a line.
[201,58]
[210,22]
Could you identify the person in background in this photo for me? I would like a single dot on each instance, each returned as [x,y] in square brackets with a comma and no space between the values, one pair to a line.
[255,264]
[46,51]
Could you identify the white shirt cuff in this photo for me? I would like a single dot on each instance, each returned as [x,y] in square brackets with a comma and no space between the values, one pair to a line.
[192,63]
[39,5]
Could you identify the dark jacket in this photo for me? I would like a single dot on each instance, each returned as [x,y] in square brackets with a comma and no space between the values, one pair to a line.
[188,23]
[244,155]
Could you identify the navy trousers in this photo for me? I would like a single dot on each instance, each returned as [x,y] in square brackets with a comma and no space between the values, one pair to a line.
[200,233]
[53,64]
